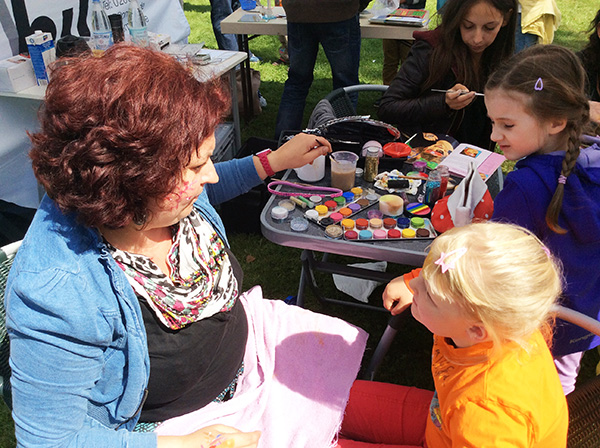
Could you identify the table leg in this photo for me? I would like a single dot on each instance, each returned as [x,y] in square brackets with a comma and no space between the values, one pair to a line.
[235,113]
[246,78]
[310,264]
[384,343]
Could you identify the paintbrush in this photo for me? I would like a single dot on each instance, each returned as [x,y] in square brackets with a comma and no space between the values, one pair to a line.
[461,92]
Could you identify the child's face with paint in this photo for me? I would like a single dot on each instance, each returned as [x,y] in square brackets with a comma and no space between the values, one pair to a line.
[199,172]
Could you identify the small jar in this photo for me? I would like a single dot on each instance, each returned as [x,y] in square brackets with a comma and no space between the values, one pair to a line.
[371,164]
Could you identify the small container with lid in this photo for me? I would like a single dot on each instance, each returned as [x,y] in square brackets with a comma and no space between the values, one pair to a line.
[279,214]
[371,164]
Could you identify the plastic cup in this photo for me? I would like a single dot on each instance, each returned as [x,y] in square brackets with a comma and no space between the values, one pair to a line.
[312,172]
[343,169]
[248,5]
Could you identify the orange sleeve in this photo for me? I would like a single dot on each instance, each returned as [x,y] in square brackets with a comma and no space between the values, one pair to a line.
[409,276]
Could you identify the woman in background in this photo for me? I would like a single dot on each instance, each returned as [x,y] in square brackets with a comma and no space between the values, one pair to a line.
[472,39]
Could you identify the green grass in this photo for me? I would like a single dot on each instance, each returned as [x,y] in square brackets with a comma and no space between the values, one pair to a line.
[277,268]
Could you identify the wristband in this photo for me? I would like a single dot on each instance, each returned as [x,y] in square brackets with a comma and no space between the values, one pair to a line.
[262,156]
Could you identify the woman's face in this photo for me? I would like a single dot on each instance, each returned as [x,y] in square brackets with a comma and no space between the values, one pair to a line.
[480,26]
[178,204]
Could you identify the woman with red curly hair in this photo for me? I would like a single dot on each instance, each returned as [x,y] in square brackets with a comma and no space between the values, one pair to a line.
[124,304]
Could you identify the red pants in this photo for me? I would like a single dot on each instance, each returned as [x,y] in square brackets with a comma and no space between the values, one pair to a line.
[383,415]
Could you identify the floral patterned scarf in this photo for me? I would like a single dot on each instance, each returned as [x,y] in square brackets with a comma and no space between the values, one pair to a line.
[201,283]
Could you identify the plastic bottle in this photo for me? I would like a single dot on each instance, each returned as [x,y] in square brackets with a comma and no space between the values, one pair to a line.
[444,176]
[432,188]
[136,23]
[101,29]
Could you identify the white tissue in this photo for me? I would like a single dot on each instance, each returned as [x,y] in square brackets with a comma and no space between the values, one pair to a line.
[358,288]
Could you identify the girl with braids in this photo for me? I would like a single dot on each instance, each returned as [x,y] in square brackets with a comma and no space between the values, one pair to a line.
[474,36]
[538,107]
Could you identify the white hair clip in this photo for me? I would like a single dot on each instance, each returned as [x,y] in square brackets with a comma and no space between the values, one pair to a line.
[458,253]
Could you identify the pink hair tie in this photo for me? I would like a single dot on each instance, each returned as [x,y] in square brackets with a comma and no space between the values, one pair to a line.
[562,179]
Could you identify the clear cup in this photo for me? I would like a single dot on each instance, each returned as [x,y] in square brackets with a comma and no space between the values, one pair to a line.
[343,169]
[248,5]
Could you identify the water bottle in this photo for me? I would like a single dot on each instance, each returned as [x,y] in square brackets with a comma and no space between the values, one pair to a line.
[136,22]
[101,29]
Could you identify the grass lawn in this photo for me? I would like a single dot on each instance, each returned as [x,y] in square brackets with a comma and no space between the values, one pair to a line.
[277,268]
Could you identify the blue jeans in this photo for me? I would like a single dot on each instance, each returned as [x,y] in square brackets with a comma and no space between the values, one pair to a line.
[522,40]
[220,9]
[341,43]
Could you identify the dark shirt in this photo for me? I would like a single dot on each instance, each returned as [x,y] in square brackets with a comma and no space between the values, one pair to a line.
[190,367]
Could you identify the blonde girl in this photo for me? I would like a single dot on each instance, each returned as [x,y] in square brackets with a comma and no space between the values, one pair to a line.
[485,291]
[538,108]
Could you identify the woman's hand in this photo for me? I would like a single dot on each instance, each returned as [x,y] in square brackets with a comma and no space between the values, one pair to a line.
[212,437]
[297,152]
[396,296]
[459,97]
[595,111]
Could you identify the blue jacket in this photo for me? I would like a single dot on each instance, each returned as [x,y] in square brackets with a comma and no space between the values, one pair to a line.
[79,354]
[524,200]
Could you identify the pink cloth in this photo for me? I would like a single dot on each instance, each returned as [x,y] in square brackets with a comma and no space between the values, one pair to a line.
[299,367]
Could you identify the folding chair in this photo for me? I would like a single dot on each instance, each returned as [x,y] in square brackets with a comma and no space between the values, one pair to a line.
[584,402]
[7,255]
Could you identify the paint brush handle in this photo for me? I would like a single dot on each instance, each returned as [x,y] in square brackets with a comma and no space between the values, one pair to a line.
[461,92]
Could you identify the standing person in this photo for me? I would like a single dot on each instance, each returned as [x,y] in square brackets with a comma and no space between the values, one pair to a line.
[538,108]
[536,23]
[396,51]
[334,25]
[590,58]
[485,292]
[473,38]
[125,304]
[219,10]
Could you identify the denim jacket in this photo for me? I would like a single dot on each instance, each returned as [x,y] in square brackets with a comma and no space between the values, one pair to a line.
[79,355]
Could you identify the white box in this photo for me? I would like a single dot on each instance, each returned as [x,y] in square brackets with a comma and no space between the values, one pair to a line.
[16,74]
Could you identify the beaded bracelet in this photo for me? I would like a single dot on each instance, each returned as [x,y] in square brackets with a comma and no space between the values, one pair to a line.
[303,189]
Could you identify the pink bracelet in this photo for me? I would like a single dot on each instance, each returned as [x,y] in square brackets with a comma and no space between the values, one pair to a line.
[303,189]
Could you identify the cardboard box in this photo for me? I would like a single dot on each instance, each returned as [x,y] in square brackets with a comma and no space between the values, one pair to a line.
[16,74]
[42,53]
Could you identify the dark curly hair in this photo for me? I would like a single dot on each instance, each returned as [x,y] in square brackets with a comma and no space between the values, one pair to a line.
[118,130]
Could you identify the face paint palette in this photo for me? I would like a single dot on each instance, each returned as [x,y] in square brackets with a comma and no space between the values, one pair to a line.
[333,211]
[388,228]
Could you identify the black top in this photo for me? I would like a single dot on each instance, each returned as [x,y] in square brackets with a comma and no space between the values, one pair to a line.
[407,107]
[190,367]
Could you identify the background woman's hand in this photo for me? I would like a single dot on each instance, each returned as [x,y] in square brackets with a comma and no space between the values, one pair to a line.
[396,296]
[459,98]
[212,436]
[297,152]
[595,111]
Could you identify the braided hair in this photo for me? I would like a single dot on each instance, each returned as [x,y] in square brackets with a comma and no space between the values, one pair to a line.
[553,79]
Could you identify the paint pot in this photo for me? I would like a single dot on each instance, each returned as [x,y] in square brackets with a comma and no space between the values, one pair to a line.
[279,214]
[299,224]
